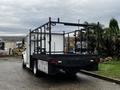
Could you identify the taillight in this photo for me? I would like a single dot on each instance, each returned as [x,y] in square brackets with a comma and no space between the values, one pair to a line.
[53,61]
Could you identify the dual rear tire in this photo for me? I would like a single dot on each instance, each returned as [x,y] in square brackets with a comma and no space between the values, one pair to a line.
[35,68]
[23,64]
[71,72]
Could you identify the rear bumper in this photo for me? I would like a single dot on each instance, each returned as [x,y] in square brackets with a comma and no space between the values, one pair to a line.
[53,69]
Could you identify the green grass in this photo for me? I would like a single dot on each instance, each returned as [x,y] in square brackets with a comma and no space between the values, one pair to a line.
[110,69]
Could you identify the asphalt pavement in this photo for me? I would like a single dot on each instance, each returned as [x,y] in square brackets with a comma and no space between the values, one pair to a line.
[14,77]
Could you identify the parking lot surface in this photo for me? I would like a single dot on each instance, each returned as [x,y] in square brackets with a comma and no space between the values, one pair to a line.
[14,77]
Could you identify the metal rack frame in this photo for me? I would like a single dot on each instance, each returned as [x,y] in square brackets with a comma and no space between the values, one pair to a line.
[46,28]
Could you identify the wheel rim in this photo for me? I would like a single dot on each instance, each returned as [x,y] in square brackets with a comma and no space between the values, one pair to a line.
[35,69]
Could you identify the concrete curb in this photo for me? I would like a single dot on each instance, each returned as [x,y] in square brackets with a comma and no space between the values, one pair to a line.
[101,77]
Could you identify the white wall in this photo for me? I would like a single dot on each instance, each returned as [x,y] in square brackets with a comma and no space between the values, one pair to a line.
[10,45]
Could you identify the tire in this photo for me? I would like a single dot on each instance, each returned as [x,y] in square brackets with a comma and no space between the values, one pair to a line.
[71,73]
[93,67]
[35,69]
[22,57]
[23,64]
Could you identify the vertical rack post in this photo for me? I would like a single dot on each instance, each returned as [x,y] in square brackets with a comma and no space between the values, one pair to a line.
[68,42]
[63,41]
[49,25]
[30,41]
[40,40]
[34,43]
[37,40]
[44,40]
[87,40]
[98,37]
[81,37]
[75,41]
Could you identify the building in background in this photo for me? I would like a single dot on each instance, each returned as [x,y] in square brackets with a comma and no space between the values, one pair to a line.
[9,42]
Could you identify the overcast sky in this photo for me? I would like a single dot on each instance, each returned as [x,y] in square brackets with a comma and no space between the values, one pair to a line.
[18,16]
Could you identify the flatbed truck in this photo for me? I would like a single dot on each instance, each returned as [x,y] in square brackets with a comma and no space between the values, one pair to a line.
[50,53]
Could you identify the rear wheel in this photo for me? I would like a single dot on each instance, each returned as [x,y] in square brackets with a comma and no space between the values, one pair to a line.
[23,64]
[71,72]
[22,57]
[35,68]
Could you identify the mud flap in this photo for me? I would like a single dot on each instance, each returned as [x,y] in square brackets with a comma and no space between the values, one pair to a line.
[92,67]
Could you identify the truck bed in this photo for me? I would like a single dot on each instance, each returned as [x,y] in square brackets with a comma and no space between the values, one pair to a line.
[69,60]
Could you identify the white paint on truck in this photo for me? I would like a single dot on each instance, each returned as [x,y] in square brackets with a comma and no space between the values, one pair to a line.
[43,66]
[56,43]
[26,54]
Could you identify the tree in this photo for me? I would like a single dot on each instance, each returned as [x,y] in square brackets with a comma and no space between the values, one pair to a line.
[113,25]
[107,42]
[95,37]
[110,38]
